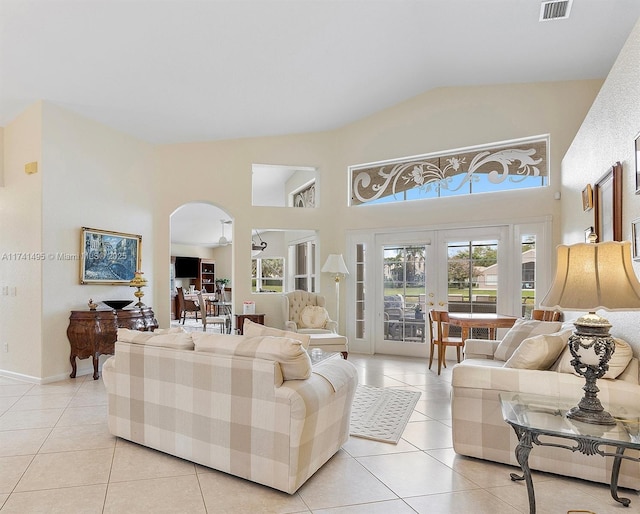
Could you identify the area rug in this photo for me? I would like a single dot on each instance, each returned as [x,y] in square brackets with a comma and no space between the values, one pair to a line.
[381,414]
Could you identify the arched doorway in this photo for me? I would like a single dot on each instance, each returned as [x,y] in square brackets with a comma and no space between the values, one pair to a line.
[201,237]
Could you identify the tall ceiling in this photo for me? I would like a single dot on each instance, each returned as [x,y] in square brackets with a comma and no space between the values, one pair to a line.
[169,71]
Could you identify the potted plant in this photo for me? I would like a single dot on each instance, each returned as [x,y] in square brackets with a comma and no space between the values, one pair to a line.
[222,283]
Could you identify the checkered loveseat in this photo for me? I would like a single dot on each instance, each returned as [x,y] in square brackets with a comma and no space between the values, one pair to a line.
[251,406]
[542,361]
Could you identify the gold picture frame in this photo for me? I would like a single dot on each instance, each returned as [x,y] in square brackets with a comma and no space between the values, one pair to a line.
[108,257]
[587,198]
[607,199]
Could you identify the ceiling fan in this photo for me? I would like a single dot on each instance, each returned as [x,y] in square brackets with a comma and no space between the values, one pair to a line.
[223,241]
[256,248]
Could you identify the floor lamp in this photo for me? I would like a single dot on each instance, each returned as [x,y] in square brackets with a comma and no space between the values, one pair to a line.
[335,265]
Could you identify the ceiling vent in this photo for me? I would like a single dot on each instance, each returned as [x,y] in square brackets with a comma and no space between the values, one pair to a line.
[555,10]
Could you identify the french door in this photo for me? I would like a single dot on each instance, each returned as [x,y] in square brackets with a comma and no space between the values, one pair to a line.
[455,270]
[405,292]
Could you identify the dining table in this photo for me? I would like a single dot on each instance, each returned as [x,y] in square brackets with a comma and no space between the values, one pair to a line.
[467,320]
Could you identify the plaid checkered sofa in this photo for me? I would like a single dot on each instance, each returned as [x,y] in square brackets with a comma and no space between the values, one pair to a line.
[477,424]
[250,406]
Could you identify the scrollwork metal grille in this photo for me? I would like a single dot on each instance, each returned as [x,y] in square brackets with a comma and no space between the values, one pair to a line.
[515,165]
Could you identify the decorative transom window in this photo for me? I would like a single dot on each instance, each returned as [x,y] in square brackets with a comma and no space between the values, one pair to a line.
[306,196]
[516,164]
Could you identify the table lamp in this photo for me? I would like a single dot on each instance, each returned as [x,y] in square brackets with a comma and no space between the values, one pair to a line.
[139,282]
[335,264]
[592,276]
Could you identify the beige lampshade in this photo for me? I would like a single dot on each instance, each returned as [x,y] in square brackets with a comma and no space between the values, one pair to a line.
[592,276]
[335,264]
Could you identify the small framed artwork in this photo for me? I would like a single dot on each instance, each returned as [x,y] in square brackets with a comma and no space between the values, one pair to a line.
[109,257]
[587,198]
[636,147]
[607,200]
[588,232]
[635,235]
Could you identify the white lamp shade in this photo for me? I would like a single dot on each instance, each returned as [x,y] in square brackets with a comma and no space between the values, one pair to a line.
[335,264]
[592,276]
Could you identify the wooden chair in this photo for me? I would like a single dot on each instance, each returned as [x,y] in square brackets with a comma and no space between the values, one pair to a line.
[439,335]
[185,306]
[210,320]
[546,315]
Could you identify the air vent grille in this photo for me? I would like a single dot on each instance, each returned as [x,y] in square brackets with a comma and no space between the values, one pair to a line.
[555,10]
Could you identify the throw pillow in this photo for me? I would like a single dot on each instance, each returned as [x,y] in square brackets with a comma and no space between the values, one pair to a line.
[521,330]
[617,364]
[294,360]
[539,352]
[178,340]
[256,329]
[314,316]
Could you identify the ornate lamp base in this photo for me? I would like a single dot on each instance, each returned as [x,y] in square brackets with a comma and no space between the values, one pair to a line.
[595,417]
[591,347]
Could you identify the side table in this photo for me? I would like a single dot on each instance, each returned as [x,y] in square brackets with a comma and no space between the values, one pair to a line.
[532,416]
[256,318]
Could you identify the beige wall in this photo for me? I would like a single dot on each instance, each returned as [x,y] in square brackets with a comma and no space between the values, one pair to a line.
[21,247]
[93,176]
[605,137]
[437,120]
[89,175]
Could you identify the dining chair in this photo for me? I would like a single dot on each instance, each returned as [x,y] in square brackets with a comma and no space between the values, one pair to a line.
[185,306]
[210,320]
[439,336]
[546,315]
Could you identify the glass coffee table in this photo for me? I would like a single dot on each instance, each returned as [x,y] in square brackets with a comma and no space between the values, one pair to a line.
[533,416]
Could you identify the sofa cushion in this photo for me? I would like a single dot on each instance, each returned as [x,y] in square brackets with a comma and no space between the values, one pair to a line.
[167,338]
[249,328]
[539,352]
[617,364]
[294,360]
[314,316]
[521,330]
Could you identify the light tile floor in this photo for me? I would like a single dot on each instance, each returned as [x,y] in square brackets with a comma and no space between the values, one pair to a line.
[57,456]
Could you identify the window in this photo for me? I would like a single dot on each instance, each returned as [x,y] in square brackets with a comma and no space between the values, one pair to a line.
[304,277]
[517,164]
[267,275]
[528,243]
[360,290]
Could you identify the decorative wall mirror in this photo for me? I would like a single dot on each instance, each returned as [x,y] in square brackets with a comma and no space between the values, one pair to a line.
[283,186]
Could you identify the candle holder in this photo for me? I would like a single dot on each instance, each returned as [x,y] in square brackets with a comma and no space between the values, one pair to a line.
[138,282]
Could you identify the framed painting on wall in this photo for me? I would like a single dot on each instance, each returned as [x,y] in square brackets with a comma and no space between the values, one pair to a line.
[109,257]
[608,205]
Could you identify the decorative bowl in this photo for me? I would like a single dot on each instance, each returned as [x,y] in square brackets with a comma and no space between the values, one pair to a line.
[117,304]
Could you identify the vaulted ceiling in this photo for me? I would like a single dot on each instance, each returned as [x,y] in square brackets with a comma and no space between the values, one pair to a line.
[194,70]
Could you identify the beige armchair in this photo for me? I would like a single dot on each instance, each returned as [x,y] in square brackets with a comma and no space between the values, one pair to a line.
[293,305]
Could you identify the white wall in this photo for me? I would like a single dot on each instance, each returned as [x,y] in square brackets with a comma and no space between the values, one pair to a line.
[605,137]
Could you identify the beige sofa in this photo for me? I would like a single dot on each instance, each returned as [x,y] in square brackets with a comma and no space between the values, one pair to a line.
[251,406]
[480,431]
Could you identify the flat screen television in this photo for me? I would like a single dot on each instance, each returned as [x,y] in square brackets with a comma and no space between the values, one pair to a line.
[187,267]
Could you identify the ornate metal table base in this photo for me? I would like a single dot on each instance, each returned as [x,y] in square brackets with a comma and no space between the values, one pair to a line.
[527,437]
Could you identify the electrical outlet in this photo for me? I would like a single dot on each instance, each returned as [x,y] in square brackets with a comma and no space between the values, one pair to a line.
[13,291]
[5,347]
[5,290]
